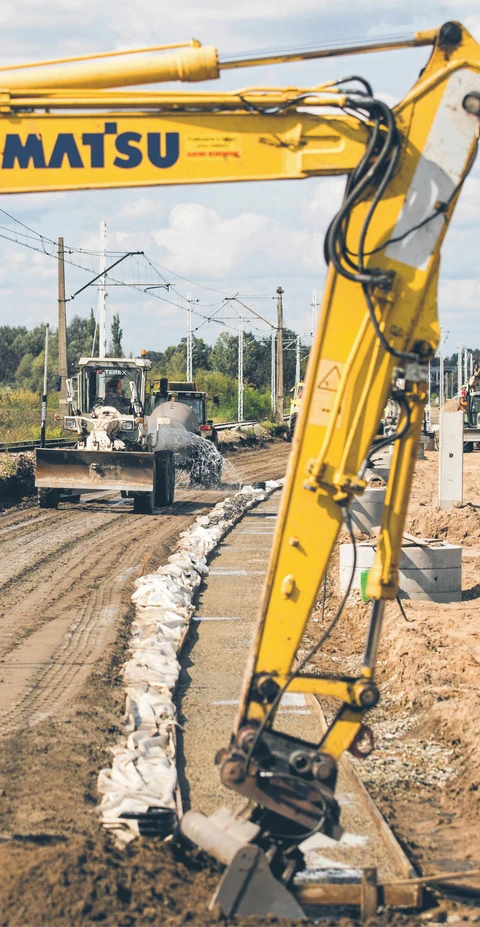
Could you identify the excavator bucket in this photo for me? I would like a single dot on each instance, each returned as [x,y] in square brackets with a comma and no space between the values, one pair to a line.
[248,886]
[130,471]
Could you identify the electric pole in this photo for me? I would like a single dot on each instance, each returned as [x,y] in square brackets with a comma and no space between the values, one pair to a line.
[240,369]
[189,339]
[297,361]
[62,331]
[280,400]
[428,407]
[314,312]
[102,293]
[44,394]
[441,397]
[273,388]
[459,366]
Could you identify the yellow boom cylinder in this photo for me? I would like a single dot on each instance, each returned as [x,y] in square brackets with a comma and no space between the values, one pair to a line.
[184,64]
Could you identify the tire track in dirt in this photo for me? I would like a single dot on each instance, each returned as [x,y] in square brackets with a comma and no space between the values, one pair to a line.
[49,768]
[64,574]
[43,542]
[62,635]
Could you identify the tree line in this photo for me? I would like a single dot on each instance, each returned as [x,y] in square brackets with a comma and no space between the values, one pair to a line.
[222,357]
[22,355]
[22,351]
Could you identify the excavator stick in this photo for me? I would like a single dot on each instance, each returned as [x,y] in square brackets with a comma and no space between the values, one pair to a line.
[129,471]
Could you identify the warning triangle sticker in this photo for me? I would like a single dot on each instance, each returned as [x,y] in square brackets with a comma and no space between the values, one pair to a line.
[330,381]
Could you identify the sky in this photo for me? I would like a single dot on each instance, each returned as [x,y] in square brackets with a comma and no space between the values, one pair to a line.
[218,240]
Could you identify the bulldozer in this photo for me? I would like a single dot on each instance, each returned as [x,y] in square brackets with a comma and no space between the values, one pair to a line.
[114,449]
[129,437]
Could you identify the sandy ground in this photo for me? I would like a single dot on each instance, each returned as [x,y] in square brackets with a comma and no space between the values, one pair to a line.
[66,579]
[58,868]
[424,773]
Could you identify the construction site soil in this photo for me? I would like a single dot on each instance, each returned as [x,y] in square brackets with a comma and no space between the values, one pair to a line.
[66,580]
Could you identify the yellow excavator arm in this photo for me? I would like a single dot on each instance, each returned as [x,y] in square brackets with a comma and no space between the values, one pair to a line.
[60,129]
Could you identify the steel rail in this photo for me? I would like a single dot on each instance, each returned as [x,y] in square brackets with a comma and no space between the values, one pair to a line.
[17,446]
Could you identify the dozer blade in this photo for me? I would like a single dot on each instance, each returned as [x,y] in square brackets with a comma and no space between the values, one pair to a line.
[131,471]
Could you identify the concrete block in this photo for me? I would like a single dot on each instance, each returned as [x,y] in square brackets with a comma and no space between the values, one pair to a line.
[428,442]
[367,510]
[383,462]
[428,573]
[450,473]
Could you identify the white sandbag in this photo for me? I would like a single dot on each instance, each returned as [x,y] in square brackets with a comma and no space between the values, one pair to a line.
[143,772]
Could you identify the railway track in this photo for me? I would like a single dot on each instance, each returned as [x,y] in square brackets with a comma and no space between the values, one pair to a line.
[16,447]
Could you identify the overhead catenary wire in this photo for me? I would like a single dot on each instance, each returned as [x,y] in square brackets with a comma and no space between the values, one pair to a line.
[69,250]
[40,242]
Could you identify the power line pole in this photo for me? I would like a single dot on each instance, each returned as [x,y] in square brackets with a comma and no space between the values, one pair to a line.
[189,339]
[273,387]
[465,365]
[240,369]
[280,401]
[44,394]
[62,331]
[314,312]
[297,361]
[102,293]
[459,368]
[442,378]
[428,407]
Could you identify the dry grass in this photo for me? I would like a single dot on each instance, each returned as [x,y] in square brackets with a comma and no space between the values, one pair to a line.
[20,416]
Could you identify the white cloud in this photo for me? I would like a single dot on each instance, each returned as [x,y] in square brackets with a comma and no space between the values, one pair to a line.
[323,201]
[140,209]
[229,236]
[201,243]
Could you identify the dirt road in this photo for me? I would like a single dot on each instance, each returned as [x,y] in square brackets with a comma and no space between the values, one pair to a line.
[66,579]
[58,867]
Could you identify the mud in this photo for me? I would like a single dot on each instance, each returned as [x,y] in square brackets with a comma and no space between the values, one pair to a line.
[17,477]
[66,579]
[424,772]
[59,868]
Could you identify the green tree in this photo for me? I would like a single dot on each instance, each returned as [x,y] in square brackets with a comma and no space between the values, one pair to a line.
[224,356]
[15,342]
[257,358]
[117,335]
[156,357]
[92,334]
[79,342]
